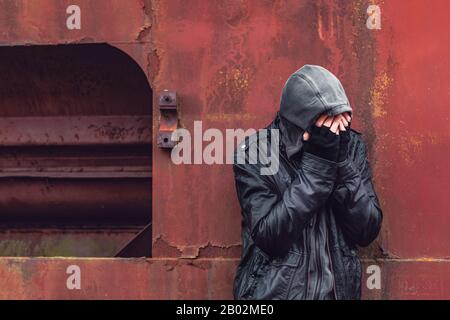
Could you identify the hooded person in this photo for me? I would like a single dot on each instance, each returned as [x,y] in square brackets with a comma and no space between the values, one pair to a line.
[301,225]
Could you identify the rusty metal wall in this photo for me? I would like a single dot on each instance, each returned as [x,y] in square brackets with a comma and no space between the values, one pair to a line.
[228,61]
[75,166]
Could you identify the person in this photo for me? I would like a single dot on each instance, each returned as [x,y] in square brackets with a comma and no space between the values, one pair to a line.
[302,224]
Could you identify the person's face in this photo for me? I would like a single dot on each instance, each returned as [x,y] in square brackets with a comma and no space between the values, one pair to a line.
[335,123]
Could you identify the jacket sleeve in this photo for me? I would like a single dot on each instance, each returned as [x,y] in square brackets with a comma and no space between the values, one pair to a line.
[274,219]
[355,202]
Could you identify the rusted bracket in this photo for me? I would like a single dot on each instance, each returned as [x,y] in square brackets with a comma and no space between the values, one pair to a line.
[168,121]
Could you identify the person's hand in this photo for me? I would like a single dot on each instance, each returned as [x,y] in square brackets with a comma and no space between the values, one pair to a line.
[336,124]
[323,143]
[324,129]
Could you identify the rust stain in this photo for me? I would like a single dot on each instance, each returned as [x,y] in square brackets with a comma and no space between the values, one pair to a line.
[410,145]
[111,131]
[234,80]
[379,94]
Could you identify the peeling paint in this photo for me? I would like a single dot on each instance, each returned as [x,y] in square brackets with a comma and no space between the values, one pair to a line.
[208,250]
[143,33]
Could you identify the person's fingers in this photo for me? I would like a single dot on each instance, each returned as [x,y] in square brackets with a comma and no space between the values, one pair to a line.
[328,122]
[306,136]
[347,116]
[344,120]
[321,120]
[335,125]
[342,126]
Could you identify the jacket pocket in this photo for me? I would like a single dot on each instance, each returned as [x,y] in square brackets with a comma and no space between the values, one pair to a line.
[352,267]
[292,259]
[251,274]
[275,278]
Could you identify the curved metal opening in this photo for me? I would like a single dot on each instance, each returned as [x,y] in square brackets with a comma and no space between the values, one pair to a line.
[75,133]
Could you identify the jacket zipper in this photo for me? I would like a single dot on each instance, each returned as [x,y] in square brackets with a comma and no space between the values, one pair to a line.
[294,167]
[317,260]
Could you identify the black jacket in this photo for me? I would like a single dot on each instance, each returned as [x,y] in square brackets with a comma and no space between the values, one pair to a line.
[277,210]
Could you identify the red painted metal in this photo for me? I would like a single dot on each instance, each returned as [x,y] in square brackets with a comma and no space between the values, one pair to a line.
[70,130]
[413,130]
[228,60]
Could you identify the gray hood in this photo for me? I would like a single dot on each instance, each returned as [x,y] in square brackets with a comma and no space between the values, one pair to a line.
[308,93]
